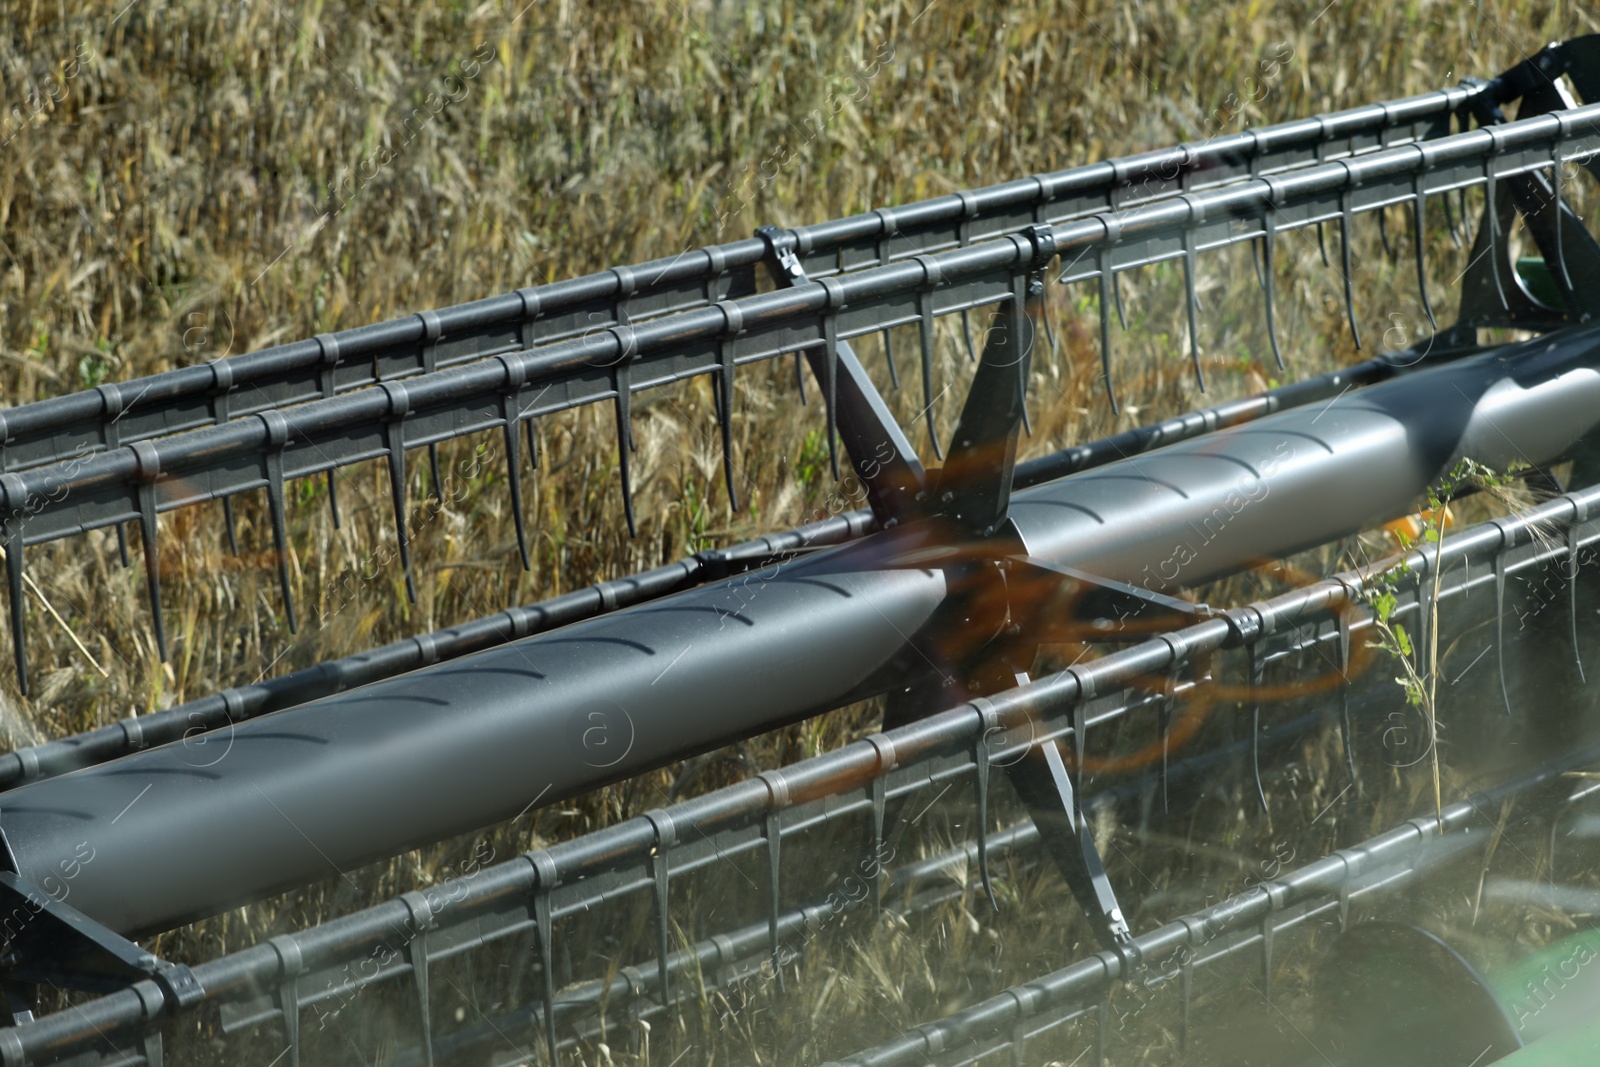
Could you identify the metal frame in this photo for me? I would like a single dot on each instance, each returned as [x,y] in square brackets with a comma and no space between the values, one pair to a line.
[861,784]
[119,414]
[431,381]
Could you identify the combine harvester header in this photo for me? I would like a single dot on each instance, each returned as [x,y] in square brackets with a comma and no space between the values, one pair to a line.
[940,600]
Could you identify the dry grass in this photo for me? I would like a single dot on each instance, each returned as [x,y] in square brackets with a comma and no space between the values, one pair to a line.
[173,205]
[202,181]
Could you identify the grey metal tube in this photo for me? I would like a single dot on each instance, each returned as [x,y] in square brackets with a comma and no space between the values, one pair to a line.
[1195,511]
[314,790]
[324,787]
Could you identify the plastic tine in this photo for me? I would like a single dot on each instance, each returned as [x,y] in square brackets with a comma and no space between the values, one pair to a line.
[980,775]
[925,322]
[149,465]
[1450,221]
[799,377]
[1344,254]
[621,381]
[228,521]
[395,447]
[11,521]
[966,335]
[1049,325]
[1102,1015]
[1492,212]
[1268,928]
[1561,254]
[727,357]
[884,259]
[1322,245]
[277,436]
[417,958]
[544,866]
[329,344]
[433,469]
[111,436]
[222,386]
[1103,268]
[1255,261]
[878,794]
[772,831]
[1269,244]
[1080,745]
[661,877]
[1116,298]
[514,479]
[1185,993]
[1572,595]
[1169,703]
[772,838]
[1346,728]
[1191,300]
[151,1045]
[432,329]
[1257,668]
[1383,232]
[286,995]
[1500,622]
[1021,329]
[1164,724]
[888,355]
[510,410]
[830,376]
[333,496]
[1419,203]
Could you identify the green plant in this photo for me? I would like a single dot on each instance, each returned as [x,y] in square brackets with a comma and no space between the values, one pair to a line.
[811,464]
[1419,677]
[694,502]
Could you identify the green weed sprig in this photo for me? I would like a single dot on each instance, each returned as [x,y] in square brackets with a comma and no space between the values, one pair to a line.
[1419,677]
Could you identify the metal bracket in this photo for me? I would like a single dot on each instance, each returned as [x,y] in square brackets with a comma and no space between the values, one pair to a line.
[43,940]
[1059,603]
[1582,65]
[974,487]
[1001,608]
[879,451]
[1003,605]
[975,484]
[1578,58]
[1493,294]
[1049,603]
[1042,781]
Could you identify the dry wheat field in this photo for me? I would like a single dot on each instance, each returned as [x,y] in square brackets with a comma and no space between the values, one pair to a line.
[181,181]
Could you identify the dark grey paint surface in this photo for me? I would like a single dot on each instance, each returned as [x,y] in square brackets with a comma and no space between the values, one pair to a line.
[1200,509]
[182,831]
